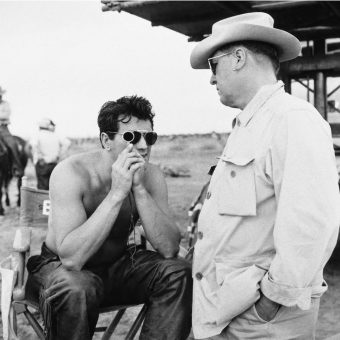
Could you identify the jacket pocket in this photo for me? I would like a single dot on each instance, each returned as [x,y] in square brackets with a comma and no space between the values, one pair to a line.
[239,289]
[237,190]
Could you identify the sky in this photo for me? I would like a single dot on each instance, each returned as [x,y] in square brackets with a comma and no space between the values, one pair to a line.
[64,59]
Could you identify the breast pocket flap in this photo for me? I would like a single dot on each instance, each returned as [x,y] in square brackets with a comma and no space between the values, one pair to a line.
[236,190]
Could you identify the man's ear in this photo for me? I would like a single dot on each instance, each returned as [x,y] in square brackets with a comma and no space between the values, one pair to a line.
[240,57]
[105,141]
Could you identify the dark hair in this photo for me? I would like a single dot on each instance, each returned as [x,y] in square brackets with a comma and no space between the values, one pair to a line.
[122,110]
[259,47]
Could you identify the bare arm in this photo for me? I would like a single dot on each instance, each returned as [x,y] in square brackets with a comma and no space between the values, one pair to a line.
[79,237]
[152,204]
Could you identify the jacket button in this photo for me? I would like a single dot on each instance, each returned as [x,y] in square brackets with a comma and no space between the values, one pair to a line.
[199,276]
[200,235]
[232,173]
[208,195]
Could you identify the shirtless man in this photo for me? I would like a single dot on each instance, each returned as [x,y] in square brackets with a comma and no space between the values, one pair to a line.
[86,262]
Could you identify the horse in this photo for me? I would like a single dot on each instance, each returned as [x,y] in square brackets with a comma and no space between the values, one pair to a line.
[6,173]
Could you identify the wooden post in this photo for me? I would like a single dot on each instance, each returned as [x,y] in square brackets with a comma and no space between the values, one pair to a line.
[287,81]
[319,94]
[320,91]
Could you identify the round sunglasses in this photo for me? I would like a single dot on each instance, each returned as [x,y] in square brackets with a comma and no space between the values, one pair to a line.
[134,137]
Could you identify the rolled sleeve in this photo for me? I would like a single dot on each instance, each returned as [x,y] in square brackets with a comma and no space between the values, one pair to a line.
[285,295]
[306,226]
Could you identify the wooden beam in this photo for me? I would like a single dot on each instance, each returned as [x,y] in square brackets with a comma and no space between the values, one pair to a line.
[316,32]
[334,8]
[287,81]
[196,37]
[304,85]
[273,5]
[119,5]
[333,91]
[303,66]
[198,21]
[238,6]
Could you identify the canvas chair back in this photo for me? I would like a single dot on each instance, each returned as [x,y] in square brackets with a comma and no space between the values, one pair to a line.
[35,207]
[34,212]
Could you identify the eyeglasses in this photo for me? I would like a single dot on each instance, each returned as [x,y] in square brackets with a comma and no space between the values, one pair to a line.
[213,65]
[134,137]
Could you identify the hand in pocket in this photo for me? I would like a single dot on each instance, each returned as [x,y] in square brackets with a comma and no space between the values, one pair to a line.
[266,308]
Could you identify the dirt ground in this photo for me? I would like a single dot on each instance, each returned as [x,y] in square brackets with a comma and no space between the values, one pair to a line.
[200,153]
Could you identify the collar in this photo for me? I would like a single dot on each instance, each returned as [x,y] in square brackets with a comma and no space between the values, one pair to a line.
[260,98]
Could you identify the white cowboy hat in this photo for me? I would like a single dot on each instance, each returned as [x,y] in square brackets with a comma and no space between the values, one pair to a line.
[256,26]
[2,91]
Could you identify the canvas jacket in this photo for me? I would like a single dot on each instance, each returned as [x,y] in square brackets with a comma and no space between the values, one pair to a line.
[271,215]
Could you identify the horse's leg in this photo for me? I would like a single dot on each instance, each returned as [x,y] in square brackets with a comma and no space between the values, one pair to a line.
[1,207]
[7,201]
[19,182]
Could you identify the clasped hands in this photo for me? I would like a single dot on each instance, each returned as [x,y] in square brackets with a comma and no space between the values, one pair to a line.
[127,171]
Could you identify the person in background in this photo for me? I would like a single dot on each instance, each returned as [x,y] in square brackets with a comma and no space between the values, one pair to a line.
[7,137]
[271,216]
[48,148]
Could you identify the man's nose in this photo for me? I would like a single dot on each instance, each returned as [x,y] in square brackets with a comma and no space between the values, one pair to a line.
[141,145]
[212,79]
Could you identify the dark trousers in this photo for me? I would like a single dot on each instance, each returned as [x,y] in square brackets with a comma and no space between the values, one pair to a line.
[43,171]
[70,300]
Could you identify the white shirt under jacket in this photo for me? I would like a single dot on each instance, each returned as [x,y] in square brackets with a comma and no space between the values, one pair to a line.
[271,216]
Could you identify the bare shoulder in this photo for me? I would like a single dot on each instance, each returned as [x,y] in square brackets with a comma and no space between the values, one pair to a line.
[73,174]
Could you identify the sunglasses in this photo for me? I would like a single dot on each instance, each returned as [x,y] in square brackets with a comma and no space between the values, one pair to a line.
[134,137]
[213,65]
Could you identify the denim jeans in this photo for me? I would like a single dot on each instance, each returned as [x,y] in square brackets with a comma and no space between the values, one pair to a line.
[70,300]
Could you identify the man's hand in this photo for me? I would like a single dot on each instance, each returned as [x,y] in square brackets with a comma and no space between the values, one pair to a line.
[123,170]
[138,176]
[266,308]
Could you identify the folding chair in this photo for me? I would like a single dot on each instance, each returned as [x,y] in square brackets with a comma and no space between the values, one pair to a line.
[34,212]
[193,214]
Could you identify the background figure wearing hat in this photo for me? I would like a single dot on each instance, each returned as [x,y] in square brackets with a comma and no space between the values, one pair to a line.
[48,148]
[6,136]
[271,215]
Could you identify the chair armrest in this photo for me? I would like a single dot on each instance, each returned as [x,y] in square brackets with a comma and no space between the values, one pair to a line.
[21,245]
[22,240]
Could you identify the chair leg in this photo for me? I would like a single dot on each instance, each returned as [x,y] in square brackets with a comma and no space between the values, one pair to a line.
[34,323]
[112,326]
[15,324]
[137,323]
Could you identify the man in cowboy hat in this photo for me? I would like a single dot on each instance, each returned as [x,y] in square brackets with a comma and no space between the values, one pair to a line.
[270,219]
[6,136]
[48,148]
